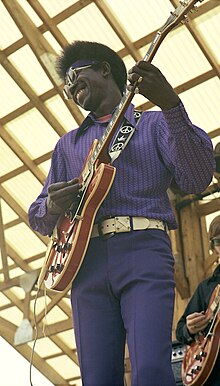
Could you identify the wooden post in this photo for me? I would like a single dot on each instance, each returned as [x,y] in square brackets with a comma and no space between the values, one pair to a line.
[191,234]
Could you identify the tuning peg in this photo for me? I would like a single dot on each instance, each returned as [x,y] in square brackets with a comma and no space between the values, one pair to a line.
[194,9]
[185,20]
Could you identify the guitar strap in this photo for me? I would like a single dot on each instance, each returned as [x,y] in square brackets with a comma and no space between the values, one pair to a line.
[123,136]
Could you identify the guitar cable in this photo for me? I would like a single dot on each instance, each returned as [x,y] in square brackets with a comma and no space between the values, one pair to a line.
[35,337]
[36,328]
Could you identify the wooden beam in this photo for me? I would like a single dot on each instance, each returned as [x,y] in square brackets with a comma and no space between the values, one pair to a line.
[209,207]
[7,331]
[192,246]
[55,300]
[3,248]
[24,86]
[116,26]
[19,151]
[19,211]
[42,49]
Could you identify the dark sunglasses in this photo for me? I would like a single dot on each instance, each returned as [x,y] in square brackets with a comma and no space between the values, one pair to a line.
[71,78]
[215,242]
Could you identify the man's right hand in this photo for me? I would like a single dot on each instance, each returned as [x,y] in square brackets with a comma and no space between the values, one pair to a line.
[62,195]
[196,322]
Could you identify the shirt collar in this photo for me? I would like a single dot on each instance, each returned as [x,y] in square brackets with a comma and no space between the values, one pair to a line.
[90,120]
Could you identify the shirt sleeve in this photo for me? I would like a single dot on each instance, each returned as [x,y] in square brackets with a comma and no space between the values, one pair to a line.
[186,150]
[39,218]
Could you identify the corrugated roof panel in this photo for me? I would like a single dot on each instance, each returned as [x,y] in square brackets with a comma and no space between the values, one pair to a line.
[30,12]
[4,300]
[13,315]
[89,24]
[9,31]
[57,106]
[40,306]
[7,213]
[68,338]
[208,27]
[24,188]
[38,263]
[179,57]
[24,241]
[45,166]
[75,383]
[9,160]
[29,67]
[52,348]
[32,129]
[216,140]
[55,7]
[210,217]
[53,42]
[67,368]
[18,292]
[202,104]
[139,19]
[13,96]
[55,314]
[16,272]
[10,261]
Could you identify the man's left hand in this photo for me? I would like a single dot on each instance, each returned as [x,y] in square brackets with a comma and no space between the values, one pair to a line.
[153,85]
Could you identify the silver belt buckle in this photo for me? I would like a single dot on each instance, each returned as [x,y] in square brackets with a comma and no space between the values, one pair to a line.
[122,224]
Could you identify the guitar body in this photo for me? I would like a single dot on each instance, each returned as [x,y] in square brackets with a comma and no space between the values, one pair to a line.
[70,240]
[201,355]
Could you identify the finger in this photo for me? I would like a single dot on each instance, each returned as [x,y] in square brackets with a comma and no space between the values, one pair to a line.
[64,192]
[193,315]
[61,185]
[134,77]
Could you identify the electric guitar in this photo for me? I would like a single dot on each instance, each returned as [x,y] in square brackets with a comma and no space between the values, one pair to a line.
[69,241]
[200,357]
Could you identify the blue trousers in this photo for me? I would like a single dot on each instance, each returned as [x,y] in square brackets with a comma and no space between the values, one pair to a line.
[125,290]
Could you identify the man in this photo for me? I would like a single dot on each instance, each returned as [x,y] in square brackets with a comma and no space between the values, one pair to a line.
[125,287]
[194,319]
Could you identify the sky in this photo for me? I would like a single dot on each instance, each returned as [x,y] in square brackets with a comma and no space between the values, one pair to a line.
[15,368]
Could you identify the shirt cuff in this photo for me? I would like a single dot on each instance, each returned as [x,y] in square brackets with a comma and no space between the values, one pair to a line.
[189,338]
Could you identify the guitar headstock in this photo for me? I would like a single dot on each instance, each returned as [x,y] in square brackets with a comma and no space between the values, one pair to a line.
[178,15]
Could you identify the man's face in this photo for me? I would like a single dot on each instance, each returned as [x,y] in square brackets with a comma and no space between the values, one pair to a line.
[86,86]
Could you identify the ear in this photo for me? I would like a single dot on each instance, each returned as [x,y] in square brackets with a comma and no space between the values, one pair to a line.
[106,69]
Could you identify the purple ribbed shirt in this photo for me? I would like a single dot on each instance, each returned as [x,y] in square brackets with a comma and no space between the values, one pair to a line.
[165,145]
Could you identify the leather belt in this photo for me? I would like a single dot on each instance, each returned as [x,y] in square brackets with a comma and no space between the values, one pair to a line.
[107,228]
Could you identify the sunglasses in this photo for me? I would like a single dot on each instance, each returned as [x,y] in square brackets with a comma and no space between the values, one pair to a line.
[71,78]
[215,242]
